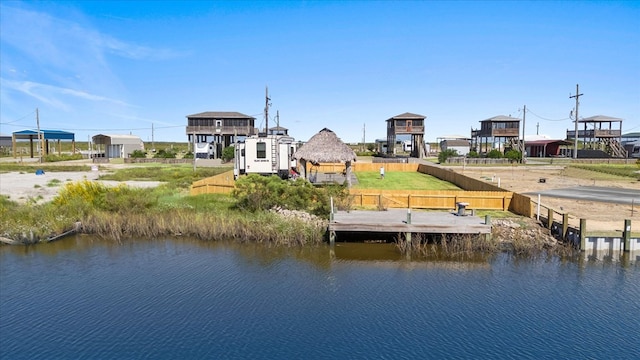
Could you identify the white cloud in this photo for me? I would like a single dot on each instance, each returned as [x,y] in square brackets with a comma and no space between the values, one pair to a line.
[54,95]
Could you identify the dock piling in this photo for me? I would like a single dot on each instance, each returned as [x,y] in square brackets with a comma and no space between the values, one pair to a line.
[583,232]
[565,224]
[626,234]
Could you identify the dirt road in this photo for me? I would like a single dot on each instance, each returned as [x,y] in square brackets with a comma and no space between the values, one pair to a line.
[533,179]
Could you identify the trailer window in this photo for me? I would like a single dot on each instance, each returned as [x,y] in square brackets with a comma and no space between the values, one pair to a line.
[261,150]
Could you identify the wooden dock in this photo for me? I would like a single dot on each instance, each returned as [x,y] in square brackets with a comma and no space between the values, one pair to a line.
[403,221]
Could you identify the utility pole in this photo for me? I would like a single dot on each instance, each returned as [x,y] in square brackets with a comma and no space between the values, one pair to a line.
[39,135]
[575,144]
[278,119]
[153,146]
[266,110]
[194,151]
[524,148]
[364,142]
[537,128]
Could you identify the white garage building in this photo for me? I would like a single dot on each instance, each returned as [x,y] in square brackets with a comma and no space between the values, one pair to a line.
[117,146]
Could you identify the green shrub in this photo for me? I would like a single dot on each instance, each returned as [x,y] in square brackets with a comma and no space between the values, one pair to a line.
[473,154]
[85,194]
[165,154]
[513,155]
[254,192]
[228,153]
[138,154]
[188,155]
[444,155]
[494,154]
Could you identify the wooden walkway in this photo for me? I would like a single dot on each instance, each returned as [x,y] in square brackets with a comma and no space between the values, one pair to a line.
[395,221]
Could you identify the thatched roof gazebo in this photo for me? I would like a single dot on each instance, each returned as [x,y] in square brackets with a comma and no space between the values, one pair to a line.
[325,147]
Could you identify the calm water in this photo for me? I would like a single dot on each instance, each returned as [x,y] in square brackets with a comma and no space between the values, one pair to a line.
[84,298]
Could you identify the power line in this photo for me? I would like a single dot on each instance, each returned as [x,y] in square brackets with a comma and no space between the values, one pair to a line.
[10,122]
[105,130]
[546,119]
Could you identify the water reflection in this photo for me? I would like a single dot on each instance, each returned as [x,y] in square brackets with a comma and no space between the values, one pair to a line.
[187,298]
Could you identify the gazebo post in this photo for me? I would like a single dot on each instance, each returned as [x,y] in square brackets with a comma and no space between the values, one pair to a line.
[303,169]
[348,173]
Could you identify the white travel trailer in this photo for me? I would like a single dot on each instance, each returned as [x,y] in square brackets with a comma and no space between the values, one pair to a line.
[633,149]
[265,155]
[204,151]
[406,146]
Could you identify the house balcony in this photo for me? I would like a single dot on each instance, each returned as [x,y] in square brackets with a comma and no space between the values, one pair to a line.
[221,130]
[401,130]
[594,133]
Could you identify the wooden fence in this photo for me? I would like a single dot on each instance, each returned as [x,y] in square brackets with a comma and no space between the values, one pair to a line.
[462,181]
[218,184]
[338,167]
[478,194]
[427,199]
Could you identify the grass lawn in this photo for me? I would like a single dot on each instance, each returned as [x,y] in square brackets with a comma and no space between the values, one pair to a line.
[399,180]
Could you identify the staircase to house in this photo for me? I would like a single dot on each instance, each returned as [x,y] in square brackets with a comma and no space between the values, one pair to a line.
[614,148]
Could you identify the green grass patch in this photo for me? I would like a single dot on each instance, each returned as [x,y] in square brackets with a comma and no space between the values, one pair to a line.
[31,168]
[623,170]
[54,183]
[176,177]
[62,157]
[399,180]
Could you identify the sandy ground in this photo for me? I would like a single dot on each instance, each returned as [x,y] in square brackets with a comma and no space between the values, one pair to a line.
[600,215]
[23,187]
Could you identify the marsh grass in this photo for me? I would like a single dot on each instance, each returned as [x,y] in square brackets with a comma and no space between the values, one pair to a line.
[122,212]
[258,228]
[461,246]
[451,245]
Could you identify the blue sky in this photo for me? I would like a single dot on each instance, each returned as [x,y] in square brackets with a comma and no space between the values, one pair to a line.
[120,66]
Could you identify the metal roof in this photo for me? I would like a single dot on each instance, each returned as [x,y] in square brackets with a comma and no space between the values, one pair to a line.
[47,134]
[116,139]
[501,118]
[600,118]
[220,115]
[407,116]
[548,141]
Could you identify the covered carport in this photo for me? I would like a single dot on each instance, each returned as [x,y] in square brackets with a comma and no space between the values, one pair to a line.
[42,137]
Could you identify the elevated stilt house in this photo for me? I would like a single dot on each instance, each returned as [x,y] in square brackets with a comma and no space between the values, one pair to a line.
[599,133]
[325,147]
[499,132]
[407,124]
[220,128]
